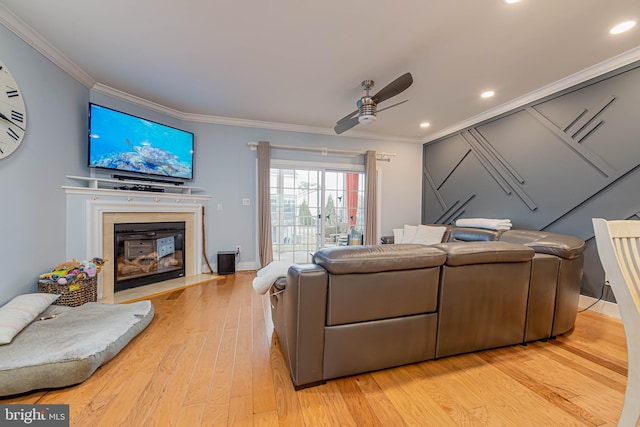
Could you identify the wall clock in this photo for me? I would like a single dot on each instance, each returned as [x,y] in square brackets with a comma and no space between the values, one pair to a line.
[13,115]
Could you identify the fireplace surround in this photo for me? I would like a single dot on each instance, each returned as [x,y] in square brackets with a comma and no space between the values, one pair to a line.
[103,215]
[93,211]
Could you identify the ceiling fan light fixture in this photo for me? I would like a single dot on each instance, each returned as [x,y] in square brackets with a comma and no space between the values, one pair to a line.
[367,109]
[365,119]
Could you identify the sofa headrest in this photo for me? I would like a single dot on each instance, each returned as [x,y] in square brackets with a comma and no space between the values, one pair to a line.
[459,253]
[543,242]
[463,234]
[377,258]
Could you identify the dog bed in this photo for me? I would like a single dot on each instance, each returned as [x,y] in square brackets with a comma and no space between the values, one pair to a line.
[65,345]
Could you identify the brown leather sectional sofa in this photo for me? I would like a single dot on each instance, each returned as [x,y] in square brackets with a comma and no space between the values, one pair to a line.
[363,308]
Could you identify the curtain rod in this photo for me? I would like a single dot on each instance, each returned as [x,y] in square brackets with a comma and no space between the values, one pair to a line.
[379,156]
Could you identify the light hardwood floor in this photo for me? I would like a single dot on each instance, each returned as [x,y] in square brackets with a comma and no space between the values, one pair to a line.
[210,357]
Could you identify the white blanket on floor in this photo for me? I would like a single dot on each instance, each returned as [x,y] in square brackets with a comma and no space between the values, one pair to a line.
[268,275]
[488,223]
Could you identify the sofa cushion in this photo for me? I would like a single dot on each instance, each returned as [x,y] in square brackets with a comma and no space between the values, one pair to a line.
[361,297]
[482,306]
[459,253]
[367,346]
[372,259]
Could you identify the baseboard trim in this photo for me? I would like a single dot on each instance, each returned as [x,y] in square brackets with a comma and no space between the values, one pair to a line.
[603,307]
[248,266]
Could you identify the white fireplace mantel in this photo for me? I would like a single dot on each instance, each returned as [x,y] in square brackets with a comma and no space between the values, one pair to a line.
[97,208]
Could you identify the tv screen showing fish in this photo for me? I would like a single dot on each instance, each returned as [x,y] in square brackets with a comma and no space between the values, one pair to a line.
[123,142]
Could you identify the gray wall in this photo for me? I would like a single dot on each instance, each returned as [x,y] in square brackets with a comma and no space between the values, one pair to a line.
[551,165]
[33,219]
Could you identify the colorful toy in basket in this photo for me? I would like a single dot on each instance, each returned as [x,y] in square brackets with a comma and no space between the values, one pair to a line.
[68,271]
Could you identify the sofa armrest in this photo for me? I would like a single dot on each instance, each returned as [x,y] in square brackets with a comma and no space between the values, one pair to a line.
[299,312]
[560,245]
[386,240]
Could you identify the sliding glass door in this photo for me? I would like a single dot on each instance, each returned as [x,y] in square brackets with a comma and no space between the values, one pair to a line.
[314,208]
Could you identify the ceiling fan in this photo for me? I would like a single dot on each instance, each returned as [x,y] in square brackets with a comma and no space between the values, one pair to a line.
[368,105]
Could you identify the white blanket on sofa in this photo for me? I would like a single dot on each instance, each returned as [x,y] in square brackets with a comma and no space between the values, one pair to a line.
[267,275]
[488,223]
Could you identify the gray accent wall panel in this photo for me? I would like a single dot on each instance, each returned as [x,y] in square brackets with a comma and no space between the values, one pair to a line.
[555,177]
[441,161]
[551,165]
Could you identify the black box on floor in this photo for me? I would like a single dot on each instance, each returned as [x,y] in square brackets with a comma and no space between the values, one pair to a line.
[226,262]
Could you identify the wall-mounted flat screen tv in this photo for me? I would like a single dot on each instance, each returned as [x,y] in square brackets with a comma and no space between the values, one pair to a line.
[122,142]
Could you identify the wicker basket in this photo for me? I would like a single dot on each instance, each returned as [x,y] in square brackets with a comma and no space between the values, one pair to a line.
[74,293]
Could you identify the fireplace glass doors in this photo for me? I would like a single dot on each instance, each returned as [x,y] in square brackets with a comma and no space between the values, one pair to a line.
[147,253]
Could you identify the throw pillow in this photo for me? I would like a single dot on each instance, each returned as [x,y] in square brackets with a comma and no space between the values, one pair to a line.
[398,233]
[20,311]
[409,233]
[429,235]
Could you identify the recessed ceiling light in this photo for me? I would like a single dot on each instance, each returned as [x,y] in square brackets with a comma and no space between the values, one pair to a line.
[511,1]
[425,124]
[487,94]
[622,27]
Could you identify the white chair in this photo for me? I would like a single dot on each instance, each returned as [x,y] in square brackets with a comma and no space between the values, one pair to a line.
[618,244]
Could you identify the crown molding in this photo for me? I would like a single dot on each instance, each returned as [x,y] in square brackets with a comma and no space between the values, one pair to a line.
[229,121]
[39,43]
[582,76]
[136,100]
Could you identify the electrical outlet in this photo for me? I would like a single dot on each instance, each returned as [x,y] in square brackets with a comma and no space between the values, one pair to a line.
[238,250]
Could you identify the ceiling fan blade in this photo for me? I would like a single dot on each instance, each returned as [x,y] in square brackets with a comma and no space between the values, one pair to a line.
[392,89]
[347,117]
[394,105]
[345,125]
